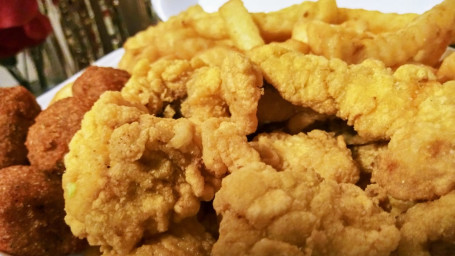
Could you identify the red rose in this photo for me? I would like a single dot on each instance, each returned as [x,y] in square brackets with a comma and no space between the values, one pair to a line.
[21,26]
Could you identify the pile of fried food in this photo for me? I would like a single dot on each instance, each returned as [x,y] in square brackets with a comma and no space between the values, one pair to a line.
[312,130]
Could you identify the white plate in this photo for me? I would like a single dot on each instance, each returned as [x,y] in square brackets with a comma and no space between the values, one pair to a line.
[168,8]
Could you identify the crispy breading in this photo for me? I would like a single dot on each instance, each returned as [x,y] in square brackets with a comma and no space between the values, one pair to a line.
[227,87]
[294,212]
[429,228]
[179,37]
[419,162]
[317,150]
[387,99]
[446,71]
[130,175]
[18,109]
[31,214]
[182,239]
[406,44]
[366,155]
[409,106]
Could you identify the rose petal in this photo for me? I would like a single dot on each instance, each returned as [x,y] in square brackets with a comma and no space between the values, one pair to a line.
[16,13]
[38,28]
[14,40]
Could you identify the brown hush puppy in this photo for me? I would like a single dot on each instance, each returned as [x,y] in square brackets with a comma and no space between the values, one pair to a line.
[18,109]
[96,80]
[31,214]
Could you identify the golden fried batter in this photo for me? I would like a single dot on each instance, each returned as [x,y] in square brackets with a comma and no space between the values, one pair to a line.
[185,238]
[18,109]
[419,162]
[317,150]
[394,48]
[409,106]
[366,155]
[429,228]
[31,214]
[293,212]
[131,175]
[227,87]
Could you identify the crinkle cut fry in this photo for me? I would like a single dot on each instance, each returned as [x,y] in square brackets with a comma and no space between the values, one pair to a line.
[174,38]
[369,93]
[130,175]
[422,40]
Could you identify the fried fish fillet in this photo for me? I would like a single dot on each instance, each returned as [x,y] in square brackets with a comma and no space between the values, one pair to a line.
[130,175]
[429,228]
[409,106]
[295,212]
[317,150]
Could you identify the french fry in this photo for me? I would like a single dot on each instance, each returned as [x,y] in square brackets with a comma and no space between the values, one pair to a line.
[240,25]
[64,92]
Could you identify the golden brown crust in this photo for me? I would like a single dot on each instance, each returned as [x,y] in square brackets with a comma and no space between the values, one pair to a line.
[47,140]
[96,80]
[31,214]
[18,109]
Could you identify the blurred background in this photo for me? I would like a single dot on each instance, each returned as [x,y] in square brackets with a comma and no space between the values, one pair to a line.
[81,31]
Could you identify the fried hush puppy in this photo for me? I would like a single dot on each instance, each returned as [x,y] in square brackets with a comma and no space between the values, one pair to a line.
[47,139]
[18,109]
[31,214]
[94,81]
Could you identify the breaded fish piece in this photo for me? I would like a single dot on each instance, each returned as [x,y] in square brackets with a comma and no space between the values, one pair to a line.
[186,238]
[31,214]
[318,150]
[386,99]
[130,176]
[429,228]
[18,109]
[295,212]
[96,80]
[229,86]
[48,138]
[419,162]
[409,106]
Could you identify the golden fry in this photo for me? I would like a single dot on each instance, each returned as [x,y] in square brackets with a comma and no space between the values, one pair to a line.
[240,25]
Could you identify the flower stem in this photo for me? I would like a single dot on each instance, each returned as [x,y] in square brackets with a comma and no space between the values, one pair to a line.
[14,71]
[37,57]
